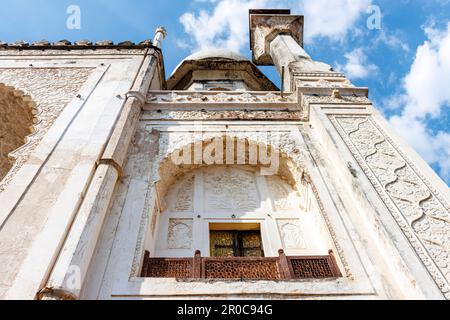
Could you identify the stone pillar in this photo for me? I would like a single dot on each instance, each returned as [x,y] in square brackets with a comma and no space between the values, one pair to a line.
[276,38]
[285,51]
[69,272]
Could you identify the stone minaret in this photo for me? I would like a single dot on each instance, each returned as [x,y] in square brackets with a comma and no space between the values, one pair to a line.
[385,187]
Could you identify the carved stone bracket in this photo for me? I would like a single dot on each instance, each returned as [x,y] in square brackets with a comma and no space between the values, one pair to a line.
[265,26]
[137,95]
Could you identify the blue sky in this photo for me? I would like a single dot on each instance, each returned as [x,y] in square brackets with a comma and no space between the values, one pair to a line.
[405,63]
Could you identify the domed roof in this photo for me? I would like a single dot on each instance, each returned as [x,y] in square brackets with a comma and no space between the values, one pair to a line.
[212,54]
[223,64]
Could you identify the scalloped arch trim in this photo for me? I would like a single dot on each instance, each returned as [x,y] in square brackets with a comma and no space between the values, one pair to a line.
[17,119]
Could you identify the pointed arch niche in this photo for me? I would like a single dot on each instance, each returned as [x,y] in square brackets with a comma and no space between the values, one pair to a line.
[17,117]
[287,215]
[194,200]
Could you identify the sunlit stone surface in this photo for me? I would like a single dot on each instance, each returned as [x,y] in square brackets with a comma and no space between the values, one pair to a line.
[105,165]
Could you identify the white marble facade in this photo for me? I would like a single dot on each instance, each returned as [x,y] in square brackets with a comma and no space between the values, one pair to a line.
[96,186]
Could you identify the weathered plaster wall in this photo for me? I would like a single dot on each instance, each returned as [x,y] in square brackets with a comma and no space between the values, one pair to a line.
[383,185]
[16,121]
[35,83]
[132,223]
[81,196]
[376,250]
[79,97]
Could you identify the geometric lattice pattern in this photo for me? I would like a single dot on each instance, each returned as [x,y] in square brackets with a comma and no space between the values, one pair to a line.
[169,268]
[241,269]
[312,268]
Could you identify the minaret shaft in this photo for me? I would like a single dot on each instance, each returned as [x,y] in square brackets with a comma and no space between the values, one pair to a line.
[286,52]
[277,39]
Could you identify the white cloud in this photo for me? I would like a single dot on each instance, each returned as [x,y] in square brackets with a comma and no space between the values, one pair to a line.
[435,149]
[225,27]
[426,94]
[226,24]
[392,41]
[357,66]
[331,18]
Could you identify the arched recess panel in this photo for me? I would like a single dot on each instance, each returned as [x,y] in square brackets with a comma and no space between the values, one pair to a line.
[238,199]
[153,178]
[285,204]
[17,116]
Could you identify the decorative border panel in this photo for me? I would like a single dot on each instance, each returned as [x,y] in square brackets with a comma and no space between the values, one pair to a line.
[222,97]
[419,209]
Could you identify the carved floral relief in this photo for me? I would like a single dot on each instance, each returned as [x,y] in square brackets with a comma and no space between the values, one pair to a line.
[233,190]
[279,193]
[181,197]
[291,234]
[180,234]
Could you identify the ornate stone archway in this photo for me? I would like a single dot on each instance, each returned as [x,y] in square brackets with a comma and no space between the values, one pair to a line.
[291,170]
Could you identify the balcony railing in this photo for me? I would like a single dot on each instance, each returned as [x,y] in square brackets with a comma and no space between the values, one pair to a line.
[240,269]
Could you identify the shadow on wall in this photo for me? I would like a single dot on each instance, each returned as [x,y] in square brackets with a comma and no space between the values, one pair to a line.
[17,117]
